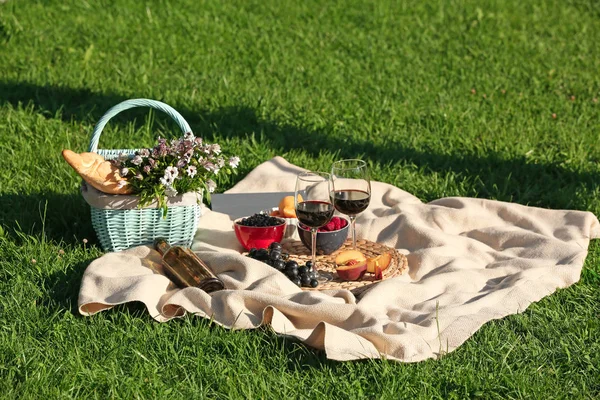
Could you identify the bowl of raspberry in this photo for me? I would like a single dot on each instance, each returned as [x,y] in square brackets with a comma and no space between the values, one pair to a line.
[330,237]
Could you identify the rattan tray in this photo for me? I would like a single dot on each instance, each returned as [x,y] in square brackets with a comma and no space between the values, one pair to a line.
[397,267]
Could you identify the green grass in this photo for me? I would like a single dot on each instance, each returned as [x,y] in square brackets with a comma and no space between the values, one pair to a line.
[445,98]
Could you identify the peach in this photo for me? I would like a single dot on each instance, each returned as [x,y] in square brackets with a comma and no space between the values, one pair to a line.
[382,261]
[352,271]
[287,207]
[350,257]
[378,272]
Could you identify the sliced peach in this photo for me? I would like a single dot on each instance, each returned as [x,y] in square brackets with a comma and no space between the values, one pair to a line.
[347,256]
[378,272]
[382,261]
[352,271]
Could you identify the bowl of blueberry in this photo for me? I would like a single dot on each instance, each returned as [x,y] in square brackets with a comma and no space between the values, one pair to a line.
[259,230]
[301,275]
[330,237]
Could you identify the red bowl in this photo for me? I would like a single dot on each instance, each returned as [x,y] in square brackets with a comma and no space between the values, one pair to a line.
[259,237]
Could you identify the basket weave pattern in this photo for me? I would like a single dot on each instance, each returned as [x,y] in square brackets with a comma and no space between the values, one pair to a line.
[124,228]
[397,267]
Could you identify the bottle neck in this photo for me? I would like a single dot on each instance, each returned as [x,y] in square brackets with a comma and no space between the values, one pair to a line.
[161,245]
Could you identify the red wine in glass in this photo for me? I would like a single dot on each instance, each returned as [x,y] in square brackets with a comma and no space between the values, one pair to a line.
[351,190]
[315,210]
[351,201]
[314,213]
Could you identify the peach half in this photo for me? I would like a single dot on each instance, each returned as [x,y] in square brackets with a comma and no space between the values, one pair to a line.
[349,257]
[352,271]
[382,262]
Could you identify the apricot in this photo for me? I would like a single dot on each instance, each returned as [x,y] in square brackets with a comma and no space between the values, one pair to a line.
[382,261]
[287,207]
[289,212]
[352,271]
[347,257]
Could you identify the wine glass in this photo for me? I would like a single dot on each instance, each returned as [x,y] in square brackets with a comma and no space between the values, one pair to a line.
[315,209]
[351,192]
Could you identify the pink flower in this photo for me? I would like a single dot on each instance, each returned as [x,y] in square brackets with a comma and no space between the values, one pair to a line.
[210,167]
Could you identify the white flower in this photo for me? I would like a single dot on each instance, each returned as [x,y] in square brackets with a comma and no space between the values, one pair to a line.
[140,177]
[137,160]
[211,185]
[220,162]
[167,180]
[215,148]
[173,171]
[170,191]
[123,157]
[189,136]
[124,171]
[234,162]
[191,171]
[145,153]
[122,184]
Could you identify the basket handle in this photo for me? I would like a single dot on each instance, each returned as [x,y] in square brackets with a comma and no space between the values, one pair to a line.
[127,104]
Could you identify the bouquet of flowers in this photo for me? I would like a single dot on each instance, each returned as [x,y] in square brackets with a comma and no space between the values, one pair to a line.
[174,167]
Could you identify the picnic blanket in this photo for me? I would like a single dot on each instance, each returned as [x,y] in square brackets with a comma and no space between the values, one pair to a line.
[470,261]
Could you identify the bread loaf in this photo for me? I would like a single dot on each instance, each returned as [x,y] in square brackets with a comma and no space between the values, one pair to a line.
[98,172]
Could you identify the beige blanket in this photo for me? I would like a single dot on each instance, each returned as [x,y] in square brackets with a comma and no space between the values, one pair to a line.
[470,261]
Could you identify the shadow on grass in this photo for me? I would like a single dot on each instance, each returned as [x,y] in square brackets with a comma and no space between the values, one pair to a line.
[509,179]
[63,287]
[62,217]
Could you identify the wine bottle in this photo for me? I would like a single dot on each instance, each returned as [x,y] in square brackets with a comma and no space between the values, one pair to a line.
[185,268]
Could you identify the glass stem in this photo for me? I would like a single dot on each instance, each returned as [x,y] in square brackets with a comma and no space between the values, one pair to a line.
[313,247]
[353,228]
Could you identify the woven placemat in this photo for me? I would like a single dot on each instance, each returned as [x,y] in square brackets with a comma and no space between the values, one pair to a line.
[398,265]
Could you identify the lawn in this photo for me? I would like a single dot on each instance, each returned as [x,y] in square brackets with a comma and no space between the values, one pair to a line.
[490,99]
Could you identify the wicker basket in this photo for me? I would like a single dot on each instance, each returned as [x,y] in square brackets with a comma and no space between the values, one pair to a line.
[119,229]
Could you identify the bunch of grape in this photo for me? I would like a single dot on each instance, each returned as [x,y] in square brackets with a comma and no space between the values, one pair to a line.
[301,275]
